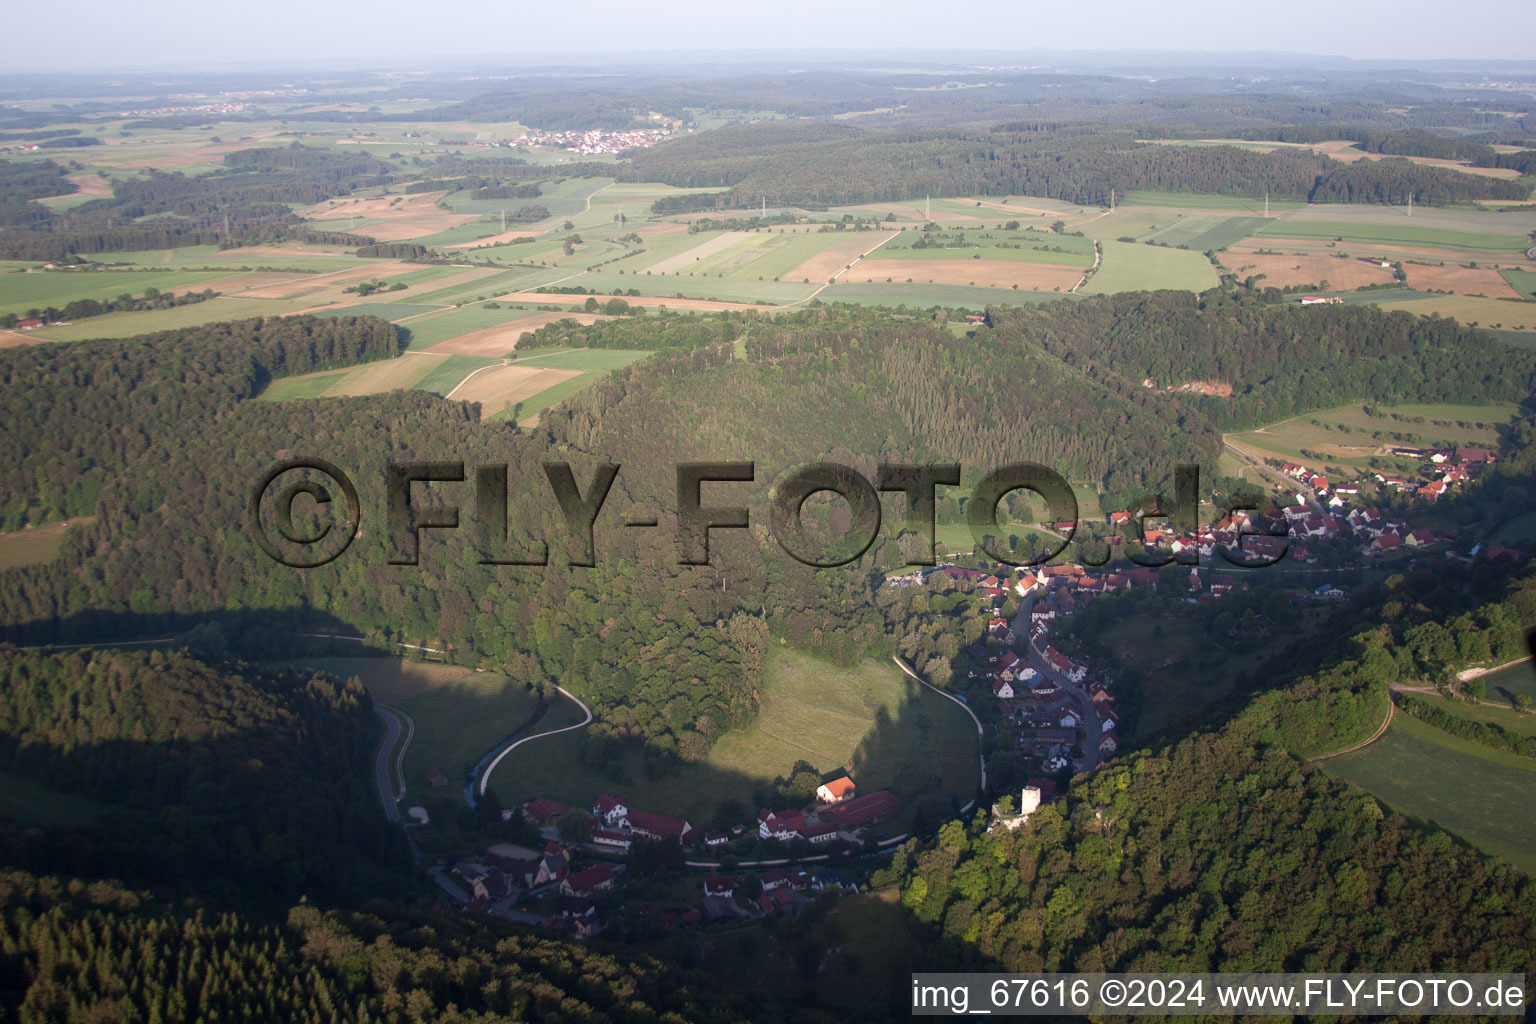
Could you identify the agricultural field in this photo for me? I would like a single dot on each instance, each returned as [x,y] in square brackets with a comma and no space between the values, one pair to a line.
[1133,267]
[1232,205]
[35,545]
[437,327]
[585,365]
[507,386]
[40,289]
[1522,281]
[1473,311]
[1287,270]
[127,325]
[1345,435]
[892,733]
[1511,681]
[1204,233]
[1430,230]
[460,720]
[1429,775]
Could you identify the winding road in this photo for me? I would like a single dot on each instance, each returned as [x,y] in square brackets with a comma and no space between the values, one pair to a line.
[485,776]
[1093,728]
[981,755]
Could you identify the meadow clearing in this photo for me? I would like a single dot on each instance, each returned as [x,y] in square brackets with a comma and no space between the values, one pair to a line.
[870,717]
[1430,776]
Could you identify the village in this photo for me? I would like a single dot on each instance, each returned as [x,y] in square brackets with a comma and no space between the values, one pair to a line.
[1056,711]
[592,141]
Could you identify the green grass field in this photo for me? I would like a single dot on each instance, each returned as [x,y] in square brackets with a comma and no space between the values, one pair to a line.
[437,327]
[921,296]
[20,292]
[491,284]
[36,544]
[1428,775]
[1514,680]
[309,385]
[127,325]
[1199,201]
[447,374]
[459,721]
[600,359]
[894,734]
[1506,718]
[1522,281]
[391,311]
[1202,233]
[1473,311]
[1353,429]
[31,803]
[1395,234]
[1129,267]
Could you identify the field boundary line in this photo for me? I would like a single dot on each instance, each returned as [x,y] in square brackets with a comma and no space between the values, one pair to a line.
[833,279]
[485,776]
[981,756]
[471,373]
[1378,734]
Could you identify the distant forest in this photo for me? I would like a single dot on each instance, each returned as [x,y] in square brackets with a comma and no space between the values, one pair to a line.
[830,163]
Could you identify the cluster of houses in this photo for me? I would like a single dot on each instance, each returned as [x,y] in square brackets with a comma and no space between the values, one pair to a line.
[592,141]
[506,873]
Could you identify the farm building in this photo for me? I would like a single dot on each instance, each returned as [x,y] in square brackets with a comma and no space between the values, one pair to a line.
[862,810]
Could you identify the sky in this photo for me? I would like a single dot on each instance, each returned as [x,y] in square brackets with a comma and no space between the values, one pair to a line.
[103,35]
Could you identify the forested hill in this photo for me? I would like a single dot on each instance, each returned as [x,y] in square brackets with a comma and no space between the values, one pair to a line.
[1080,164]
[1280,360]
[1226,852]
[250,786]
[76,413]
[74,951]
[168,464]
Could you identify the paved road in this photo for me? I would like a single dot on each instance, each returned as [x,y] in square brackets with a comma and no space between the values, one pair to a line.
[485,776]
[980,735]
[388,795]
[1092,728]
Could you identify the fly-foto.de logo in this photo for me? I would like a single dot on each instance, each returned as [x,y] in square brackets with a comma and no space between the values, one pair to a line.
[305,513]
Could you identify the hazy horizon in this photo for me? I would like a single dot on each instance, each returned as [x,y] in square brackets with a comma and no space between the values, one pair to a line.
[183,35]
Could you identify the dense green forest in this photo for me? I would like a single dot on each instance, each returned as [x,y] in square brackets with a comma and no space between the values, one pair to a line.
[680,653]
[1225,852]
[77,950]
[245,203]
[827,163]
[251,788]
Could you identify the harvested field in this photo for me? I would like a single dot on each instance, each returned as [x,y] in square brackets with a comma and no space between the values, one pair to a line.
[669,227]
[238,284]
[413,216]
[1349,154]
[1384,250]
[511,234]
[838,255]
[648,302]
[501,339]
[1284,270]
[498,387]
[248,253]
[1042,277]
[1462,280]
[308,284]
[91,185]
[683,259]
[384,375]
